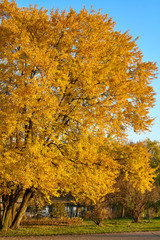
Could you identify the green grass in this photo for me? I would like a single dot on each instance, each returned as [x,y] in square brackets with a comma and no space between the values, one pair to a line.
[110,226]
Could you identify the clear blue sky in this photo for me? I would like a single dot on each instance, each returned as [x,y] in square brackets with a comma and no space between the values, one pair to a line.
[141,18]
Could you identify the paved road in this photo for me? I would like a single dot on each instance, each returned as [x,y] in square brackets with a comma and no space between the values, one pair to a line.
[113,236]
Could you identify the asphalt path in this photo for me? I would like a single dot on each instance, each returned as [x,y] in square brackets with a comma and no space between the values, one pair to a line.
[113,236]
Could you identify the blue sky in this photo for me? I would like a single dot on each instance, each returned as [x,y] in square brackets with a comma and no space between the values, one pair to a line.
[141,18]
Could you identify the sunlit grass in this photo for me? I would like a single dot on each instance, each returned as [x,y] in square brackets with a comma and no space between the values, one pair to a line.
[110,226]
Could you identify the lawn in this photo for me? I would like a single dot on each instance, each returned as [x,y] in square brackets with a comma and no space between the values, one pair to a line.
[110,226]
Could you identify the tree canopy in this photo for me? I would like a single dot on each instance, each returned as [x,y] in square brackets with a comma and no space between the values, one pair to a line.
[68,80]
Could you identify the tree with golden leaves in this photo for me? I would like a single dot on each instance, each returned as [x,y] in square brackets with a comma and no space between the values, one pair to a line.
[134,159]
[135,185]
[66,78]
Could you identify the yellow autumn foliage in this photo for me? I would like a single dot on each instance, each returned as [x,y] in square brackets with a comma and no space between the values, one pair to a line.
[134,159]
[67,81]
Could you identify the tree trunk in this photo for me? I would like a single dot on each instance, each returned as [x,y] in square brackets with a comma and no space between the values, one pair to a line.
[123,212]
[14,205]
[4,213]
[7,210]
[5,202]
[9,205]
[14,211]
[137,217]
[7,219]
[22,209]
[0,218]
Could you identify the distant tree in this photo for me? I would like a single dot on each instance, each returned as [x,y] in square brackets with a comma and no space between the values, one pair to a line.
[134,160]
[66,79]
[135,184]
[154,149]
[131,200]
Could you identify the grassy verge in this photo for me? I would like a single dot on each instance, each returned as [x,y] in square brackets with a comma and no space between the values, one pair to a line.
[110,226]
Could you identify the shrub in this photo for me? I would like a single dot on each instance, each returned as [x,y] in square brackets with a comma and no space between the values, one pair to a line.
[51,221]
[75,221]
[58,210]
[98,214]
